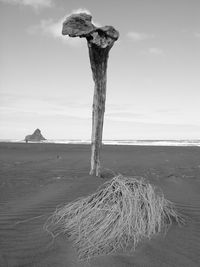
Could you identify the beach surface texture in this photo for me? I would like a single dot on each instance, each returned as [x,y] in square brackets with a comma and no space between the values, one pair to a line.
[35,179]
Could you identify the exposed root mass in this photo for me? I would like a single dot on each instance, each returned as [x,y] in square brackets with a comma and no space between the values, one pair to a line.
[116,217]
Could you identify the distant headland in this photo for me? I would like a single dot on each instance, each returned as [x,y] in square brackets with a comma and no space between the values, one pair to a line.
[35,137]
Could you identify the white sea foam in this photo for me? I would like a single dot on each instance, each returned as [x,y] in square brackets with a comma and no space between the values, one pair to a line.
[154,142]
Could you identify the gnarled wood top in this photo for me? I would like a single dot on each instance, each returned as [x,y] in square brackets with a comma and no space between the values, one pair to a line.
[80,25]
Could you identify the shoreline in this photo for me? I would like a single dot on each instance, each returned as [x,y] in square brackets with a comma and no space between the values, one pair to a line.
[141,142]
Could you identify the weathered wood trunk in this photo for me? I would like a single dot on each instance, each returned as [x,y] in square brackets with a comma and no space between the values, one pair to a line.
[98,60]
[100,40]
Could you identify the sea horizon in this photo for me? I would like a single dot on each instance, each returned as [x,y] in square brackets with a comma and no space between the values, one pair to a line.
[137,142]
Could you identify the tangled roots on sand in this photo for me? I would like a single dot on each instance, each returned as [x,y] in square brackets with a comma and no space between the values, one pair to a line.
[119,215]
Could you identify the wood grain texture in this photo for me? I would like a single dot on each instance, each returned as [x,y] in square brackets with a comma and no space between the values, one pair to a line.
[100,40]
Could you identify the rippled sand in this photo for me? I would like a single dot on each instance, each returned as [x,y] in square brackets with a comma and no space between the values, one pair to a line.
[36,178]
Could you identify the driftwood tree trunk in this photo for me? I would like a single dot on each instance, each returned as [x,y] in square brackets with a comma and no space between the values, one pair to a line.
[98,60]
[100,40]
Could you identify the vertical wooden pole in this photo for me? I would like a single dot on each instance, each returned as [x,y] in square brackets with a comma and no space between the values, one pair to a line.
[98,60]
[100,40]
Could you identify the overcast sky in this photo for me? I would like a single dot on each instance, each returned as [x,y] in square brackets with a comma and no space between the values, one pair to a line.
[153,82]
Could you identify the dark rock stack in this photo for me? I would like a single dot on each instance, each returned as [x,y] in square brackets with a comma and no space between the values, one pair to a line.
[35,137]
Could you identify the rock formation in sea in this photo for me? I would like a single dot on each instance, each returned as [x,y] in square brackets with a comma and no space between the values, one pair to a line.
[35,137]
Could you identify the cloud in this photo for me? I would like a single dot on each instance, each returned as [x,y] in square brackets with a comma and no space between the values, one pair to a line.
[38,106]
[197,34]
[155,51]
[168,111]
[139,36]
[79,10]
[53,28]
[32,3]
[124,114]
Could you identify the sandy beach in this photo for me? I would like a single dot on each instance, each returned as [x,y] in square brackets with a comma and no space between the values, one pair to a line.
[37,178]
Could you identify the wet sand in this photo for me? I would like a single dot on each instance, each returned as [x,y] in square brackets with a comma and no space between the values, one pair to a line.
[36,178]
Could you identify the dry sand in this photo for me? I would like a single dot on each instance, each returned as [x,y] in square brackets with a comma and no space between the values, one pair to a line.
[36,178]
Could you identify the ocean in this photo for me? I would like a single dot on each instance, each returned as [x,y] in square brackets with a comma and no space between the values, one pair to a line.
[175,142]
